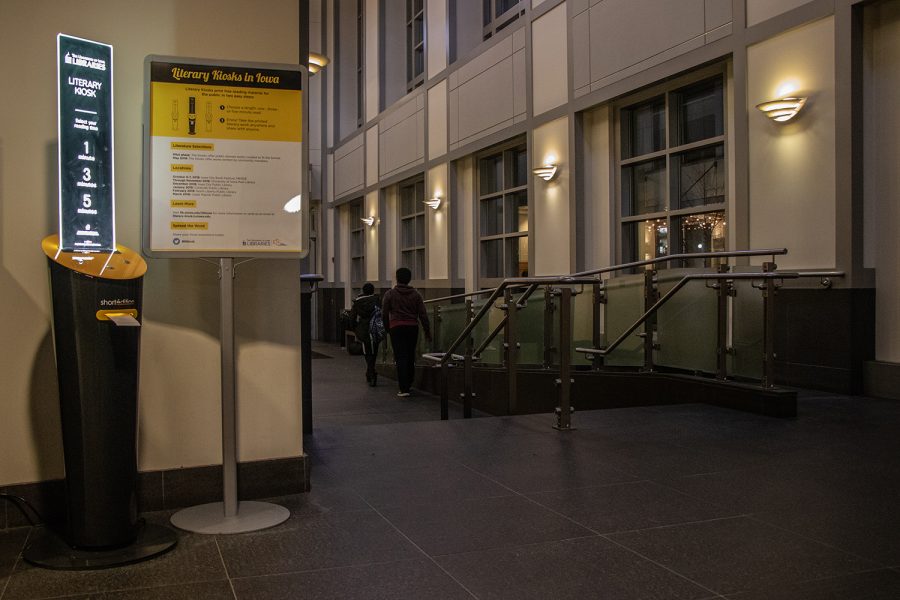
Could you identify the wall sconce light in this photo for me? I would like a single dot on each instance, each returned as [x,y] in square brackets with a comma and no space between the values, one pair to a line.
[370,221]
[317,62]
[547,172]
[783,109]
[434,203]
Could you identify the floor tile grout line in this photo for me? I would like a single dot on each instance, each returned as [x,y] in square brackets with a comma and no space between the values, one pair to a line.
[225,567]
[715,593]
[19,558]
[755,517]
[422,551]
[600,535]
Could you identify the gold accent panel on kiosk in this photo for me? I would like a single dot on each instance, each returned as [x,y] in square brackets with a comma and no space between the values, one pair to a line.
[104,315]
[124,263]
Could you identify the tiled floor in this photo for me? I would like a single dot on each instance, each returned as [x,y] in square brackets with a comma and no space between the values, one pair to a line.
[681,502]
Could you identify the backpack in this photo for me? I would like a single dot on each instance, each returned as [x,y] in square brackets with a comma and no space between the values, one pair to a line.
[376,327]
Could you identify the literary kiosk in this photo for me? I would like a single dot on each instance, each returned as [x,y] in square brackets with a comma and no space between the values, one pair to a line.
[96,294]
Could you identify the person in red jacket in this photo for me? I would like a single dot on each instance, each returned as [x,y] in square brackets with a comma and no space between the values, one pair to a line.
[403,309]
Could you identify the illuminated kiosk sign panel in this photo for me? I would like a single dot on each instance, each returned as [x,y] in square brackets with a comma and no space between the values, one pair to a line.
[86,194]
[225,159]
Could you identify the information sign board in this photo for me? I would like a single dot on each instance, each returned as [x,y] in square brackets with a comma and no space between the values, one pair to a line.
[86,190]
[224,159]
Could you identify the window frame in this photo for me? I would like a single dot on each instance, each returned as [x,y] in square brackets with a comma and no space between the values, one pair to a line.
[668,154]
[507,151]
[414,19]
[497,23]
[355,211]
[417,184]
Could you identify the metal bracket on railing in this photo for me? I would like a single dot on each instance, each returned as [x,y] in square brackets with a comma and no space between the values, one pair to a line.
[439,356]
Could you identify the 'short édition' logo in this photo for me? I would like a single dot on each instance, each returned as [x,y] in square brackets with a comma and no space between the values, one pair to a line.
[117,302]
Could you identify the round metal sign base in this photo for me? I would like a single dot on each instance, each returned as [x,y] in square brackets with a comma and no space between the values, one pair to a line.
[210,518]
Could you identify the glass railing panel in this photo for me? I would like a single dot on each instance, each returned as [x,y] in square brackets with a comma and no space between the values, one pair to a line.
[624,306]
[686,323]
[493,354]
[746,357]
[582,324]
[530,335]
[450,323]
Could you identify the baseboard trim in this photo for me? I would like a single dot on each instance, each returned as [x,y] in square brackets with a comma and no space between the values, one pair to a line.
[172,488]
[881,379]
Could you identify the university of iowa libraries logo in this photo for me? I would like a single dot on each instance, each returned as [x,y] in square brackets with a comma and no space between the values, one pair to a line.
[85,61]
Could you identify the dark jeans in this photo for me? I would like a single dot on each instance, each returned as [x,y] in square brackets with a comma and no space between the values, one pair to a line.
[370,364]
[403,341]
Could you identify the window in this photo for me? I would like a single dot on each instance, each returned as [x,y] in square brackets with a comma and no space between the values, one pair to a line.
[412,228]
[498,14]
[503,213]
[672,173]
[357,245]
[415,44]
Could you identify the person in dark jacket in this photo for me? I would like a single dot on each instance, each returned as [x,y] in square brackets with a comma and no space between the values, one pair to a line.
[403,310]
[361,315]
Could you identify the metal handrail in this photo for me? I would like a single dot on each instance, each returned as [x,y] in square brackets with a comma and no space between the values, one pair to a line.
[684,280]
[641,263]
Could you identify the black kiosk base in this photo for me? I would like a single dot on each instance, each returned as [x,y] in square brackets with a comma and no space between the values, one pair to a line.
[96,333]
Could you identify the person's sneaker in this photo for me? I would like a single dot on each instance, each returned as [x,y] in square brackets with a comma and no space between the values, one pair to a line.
[402,394]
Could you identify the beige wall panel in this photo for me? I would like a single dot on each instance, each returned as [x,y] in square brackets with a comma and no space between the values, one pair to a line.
[391,222]
[883,182]
[581,50]
[475,113]
[329,259]
[438,223]
[551,202]
[463,201]
[760,10]
[626,32]
[550,75]
[597,160]
[792,186]
[174,317]
[350,166]
[436,42]
[371,210]
[401,143]
[437,120]
[372,155]
[718,13]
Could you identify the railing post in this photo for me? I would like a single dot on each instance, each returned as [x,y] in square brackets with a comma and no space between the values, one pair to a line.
[511,350]
[599,300]
[548,327]
[445,390]
[651,296]
[468,383]
[768,291]
[436,333]
[564,410]
[723,289]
